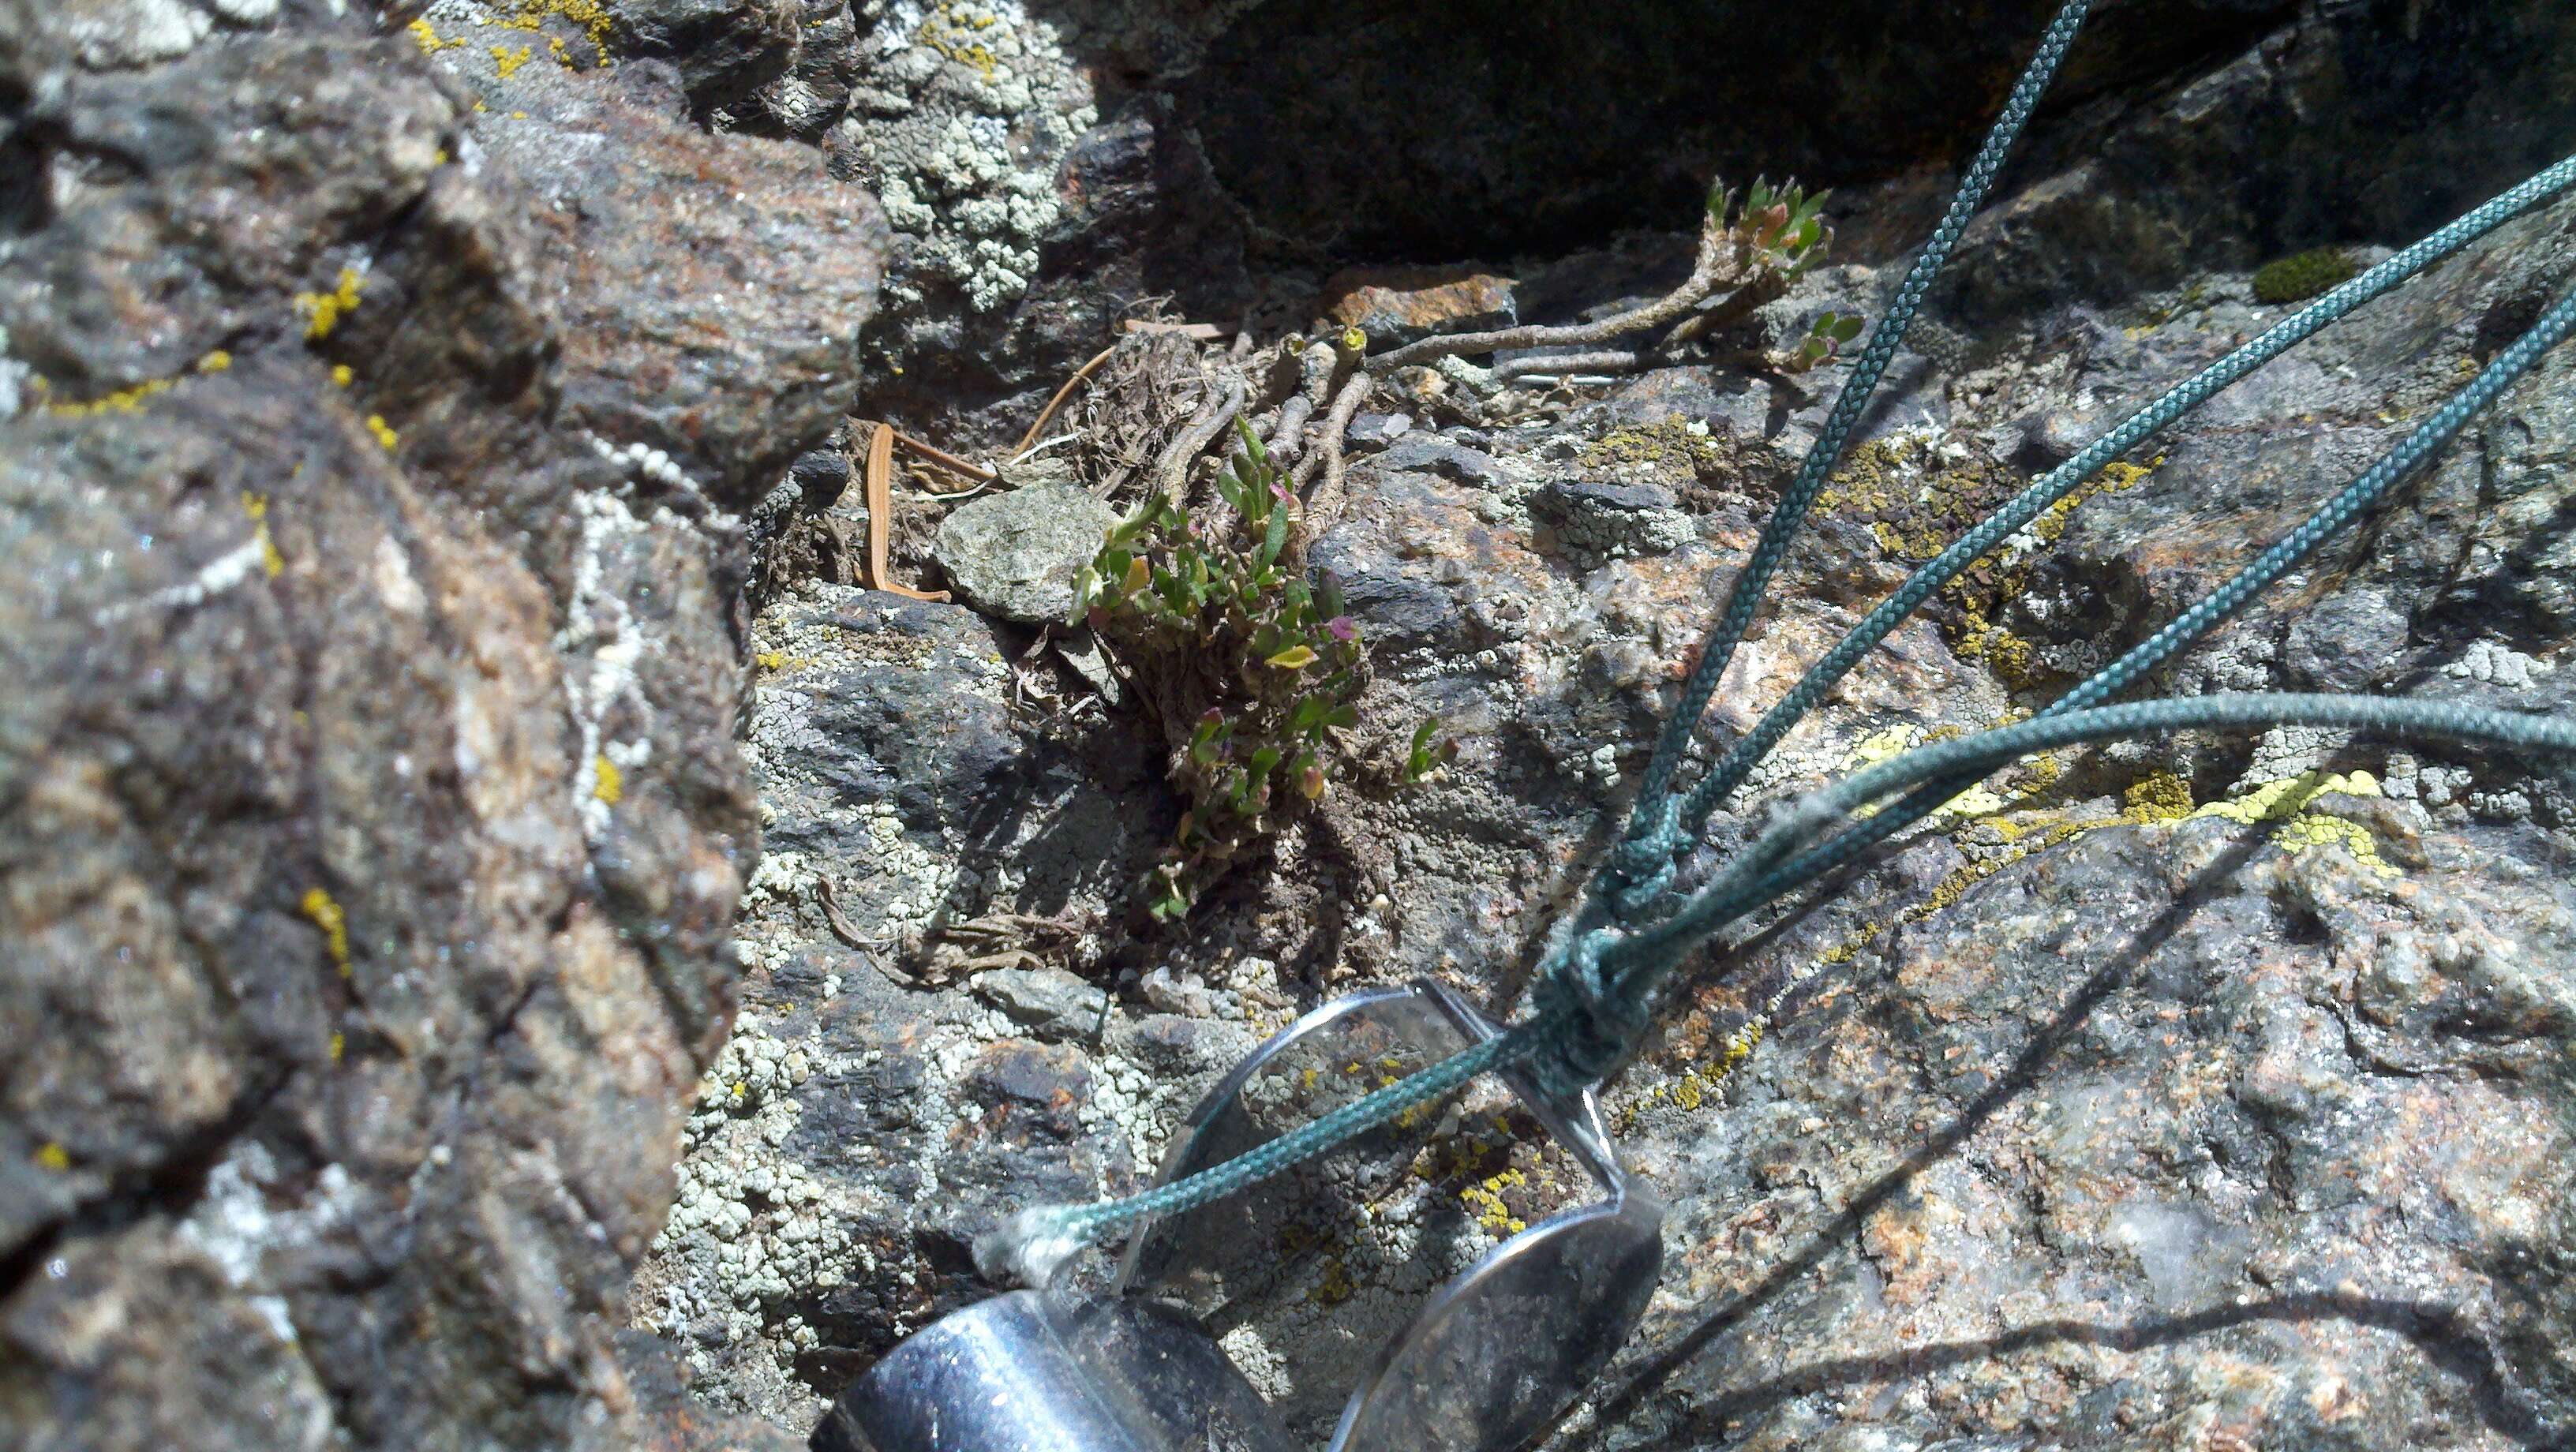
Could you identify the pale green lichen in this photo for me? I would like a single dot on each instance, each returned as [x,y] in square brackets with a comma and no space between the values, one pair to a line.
[2283,804]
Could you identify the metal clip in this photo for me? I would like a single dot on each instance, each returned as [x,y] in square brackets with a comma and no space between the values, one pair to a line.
[1493,1355]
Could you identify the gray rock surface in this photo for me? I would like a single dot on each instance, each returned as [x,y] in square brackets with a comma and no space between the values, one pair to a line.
[1051,1002]
[2164,1095]
[372,848]
[1014,554]
[378,802]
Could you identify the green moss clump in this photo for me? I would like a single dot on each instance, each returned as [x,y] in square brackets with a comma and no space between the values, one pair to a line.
[2303,275]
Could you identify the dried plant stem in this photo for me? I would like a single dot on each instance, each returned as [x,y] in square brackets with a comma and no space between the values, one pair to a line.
[944,459]
[1611,361]
[1325,468]
[1717,265]
[1047,414]
[880,493]
[1172,470]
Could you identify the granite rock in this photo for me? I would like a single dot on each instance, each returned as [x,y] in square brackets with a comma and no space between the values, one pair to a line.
[1015,554]
[2171,1093]
[372,849]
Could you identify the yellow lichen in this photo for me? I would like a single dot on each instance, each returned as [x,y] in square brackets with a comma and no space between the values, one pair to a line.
[430,42]
[507,61]
[326,914]
[342,375]
[123,400]
[383,431]
[2279,801]
[255,507]
[589,16]
[1976,801]
[1885,745]
[1915,500]
[2283,805]
[52,1156]
[322,311]
[339,1046]
[2111,479]
[127,400]
[2161,797]
[1486,1200]
[1670,444]
[611,784]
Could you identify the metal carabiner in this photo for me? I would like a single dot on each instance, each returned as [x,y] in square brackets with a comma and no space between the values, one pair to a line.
[1494,1354]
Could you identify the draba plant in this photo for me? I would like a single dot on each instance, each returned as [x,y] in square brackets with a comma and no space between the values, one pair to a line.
[1255,673]
[1822,343]
[1779,230]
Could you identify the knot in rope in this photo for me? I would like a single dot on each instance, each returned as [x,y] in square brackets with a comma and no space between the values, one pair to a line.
[1641,868]
[1591,1024]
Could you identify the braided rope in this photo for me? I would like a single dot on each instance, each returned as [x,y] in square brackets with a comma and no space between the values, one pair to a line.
[1596,990]
[1634,968]
[1718,648]
[1767,869]
[1672,830]
[1629,967]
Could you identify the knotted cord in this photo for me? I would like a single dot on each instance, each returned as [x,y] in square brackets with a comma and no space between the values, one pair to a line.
[1594,998]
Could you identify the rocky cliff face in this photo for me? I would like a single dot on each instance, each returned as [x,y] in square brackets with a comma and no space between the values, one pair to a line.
[373,823]
[476,972]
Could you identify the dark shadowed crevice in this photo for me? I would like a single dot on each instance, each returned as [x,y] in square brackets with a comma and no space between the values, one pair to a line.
[1373,131]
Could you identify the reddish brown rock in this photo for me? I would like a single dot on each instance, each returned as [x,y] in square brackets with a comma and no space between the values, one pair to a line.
[1394,306]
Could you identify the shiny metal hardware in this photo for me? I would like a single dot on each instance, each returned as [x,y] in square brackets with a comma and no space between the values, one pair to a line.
[1493,1355]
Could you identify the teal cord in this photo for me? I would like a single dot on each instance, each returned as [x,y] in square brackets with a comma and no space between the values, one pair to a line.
[2330,519]
[1766,870]
[1729,773]
[1595,993]
[1639,865]
[1717,905]
[1632,965]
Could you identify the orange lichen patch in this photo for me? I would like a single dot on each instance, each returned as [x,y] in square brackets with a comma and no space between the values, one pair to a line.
[326,914]
[1423,299]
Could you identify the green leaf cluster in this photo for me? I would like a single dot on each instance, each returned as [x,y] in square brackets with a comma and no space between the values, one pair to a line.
[1215,603]
[1780,230]
[1823,344]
